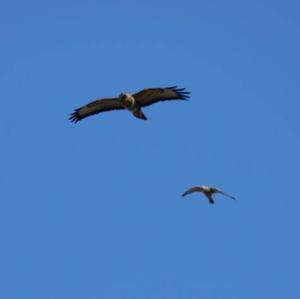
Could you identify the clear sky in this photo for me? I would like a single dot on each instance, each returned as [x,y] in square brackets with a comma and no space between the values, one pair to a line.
[94,210]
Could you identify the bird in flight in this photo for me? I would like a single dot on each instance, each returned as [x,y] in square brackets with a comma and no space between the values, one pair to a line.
[132,102]
[208,192]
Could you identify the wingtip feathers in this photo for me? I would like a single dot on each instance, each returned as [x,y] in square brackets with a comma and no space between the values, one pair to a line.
[74,116]
[182,94]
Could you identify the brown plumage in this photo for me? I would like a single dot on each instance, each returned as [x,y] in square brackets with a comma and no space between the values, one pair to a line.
[207,191]
[132,102]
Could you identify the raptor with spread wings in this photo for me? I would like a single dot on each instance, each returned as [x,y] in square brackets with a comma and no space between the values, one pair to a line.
[207,191]
[132,102]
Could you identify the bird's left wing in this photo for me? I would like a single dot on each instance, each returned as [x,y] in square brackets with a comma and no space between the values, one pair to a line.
[150,96]
[191,190]
[95,107]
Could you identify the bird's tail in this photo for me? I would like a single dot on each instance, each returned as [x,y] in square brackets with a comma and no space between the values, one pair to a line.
[139,114]
[210,199]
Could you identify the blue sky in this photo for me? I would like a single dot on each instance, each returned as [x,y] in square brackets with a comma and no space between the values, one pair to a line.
[94,210]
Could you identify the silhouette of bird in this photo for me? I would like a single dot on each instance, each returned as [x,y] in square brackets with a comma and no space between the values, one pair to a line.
[207,191]
[132,102]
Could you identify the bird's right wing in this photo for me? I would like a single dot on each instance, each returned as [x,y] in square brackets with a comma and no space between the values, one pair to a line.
[150,96]
[191,190]
[95,107]
[223,193]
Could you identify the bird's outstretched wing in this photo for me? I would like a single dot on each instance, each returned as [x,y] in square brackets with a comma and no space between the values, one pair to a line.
[150,96]
[192,189]
[95,107]
[215,190]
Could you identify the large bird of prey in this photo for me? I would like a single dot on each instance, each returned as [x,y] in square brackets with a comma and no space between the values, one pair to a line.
[132,102]
[207,191]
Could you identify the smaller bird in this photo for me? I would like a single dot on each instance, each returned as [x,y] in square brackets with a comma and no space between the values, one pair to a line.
[208,192]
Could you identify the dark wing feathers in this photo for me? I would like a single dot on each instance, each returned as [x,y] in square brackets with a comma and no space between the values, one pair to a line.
[95,107]
[215,190]
[191,190]
[143,98]
[150,96]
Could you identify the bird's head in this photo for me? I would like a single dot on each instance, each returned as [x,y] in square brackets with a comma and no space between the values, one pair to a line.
[205,188]
[122,96]
[126,99]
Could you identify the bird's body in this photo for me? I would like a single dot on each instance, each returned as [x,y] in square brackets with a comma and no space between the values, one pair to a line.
[127,101]
[207,191]
[132,102]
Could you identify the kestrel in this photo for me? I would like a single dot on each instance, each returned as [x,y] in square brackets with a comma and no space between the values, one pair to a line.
[208,192]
